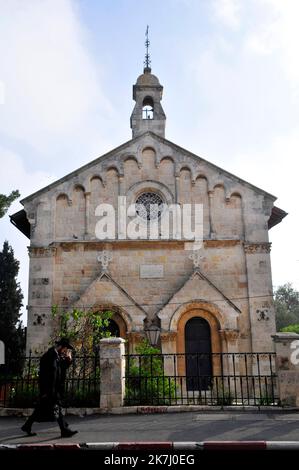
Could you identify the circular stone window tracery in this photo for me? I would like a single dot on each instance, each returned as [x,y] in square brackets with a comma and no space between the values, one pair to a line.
[149,205]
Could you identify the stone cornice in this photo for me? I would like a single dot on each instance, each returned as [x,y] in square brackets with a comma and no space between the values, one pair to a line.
[41,252]
[253,248]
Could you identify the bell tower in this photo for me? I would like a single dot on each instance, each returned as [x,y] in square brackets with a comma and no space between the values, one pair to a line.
[148,114]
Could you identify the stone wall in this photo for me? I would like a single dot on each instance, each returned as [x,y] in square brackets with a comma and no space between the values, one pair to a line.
[235,252]
[287,367]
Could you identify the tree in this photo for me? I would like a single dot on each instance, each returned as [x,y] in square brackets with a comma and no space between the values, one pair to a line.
[6,201]
[286,302]
[84,328]
[11,330]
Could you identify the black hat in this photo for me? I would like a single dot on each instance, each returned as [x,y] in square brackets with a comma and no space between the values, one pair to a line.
[65,343]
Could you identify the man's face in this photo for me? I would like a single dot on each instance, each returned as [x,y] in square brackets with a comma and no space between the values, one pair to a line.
[63,351]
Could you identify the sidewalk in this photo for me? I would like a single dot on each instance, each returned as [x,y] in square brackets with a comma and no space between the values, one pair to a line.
[174,427]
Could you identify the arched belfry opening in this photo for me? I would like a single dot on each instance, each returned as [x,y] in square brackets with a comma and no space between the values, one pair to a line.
[148,108]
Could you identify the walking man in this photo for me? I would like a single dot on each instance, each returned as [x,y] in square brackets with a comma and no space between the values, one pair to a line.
[53,366]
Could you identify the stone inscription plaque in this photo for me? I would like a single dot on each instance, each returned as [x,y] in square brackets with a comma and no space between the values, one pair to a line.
[151,271]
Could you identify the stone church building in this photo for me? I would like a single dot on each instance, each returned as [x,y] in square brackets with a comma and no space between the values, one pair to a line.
[220,295]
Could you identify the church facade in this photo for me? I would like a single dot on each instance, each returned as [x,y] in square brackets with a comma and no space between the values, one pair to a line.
[220,293]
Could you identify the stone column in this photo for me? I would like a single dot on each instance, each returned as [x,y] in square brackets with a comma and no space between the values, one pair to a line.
[287,367]
[260,295]
[168,348]
[134,339]
[112,365]
[87,215]
[211,216]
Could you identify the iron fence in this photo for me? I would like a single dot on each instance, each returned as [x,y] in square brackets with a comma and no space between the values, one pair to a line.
[235,379]
[82,384]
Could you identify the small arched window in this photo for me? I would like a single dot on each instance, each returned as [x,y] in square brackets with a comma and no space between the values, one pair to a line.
[148,108]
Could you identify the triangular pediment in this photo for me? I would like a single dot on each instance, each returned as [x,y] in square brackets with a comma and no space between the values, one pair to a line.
[165,148]
[198,288]
[102,290]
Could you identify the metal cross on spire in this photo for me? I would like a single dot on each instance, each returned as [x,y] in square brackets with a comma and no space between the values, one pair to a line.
[147,60]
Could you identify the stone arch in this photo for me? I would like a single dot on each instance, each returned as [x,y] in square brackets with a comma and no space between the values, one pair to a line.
[130,156]
[149,162]
[200,195]
[148,147]
[113,167]
[79,187]
[185,184]
[63,216]
[96,177]
[131,170]
[120,317]
[235,214]
[167,157]
[202,176]
[79,211]
[208,312]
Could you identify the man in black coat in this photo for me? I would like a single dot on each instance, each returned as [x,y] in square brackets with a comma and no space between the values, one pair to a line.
[53,366]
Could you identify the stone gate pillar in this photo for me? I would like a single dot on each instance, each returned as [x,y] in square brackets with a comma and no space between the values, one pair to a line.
[112,366]
[287,367]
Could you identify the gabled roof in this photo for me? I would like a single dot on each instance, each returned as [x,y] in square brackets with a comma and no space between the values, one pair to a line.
[19,219]
[129,143]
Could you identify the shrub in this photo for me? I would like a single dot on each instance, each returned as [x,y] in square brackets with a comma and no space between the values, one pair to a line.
[221,395]
[146,382]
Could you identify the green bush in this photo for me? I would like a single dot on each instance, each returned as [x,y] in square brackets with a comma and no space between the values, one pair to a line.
[83,396]
[291,328]
[22,395]
[146,383]
[221,395]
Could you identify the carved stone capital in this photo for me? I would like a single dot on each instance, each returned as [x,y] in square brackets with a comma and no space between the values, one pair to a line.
[135,337]
[230,335]
[168,336]
[41,252]
[253,248]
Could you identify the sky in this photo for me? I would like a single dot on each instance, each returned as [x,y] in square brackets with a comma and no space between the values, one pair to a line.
[230,71]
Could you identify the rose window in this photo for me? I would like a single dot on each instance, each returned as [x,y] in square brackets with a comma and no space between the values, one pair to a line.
[149,206]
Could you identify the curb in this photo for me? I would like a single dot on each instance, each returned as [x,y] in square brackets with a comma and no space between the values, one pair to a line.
[153,446]
[125,410]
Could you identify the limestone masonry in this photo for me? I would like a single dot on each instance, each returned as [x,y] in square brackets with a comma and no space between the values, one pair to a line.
[153,281]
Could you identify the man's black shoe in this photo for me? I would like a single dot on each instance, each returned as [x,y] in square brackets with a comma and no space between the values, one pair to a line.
[68,433]
[28,431]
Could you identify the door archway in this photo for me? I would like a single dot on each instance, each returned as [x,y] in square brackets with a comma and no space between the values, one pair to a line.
[198,350]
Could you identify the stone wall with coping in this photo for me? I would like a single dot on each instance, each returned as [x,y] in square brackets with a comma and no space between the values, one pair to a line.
[287,367]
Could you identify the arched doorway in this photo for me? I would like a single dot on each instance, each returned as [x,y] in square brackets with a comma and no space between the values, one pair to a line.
[198,350]
[113,328]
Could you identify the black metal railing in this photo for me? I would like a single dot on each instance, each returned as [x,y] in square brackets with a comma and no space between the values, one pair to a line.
[235,379]
[82,384]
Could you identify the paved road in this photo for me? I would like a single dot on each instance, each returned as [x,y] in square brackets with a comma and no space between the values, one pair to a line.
[192,426]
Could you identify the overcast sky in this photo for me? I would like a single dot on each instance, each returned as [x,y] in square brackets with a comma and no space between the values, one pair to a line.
[230,71]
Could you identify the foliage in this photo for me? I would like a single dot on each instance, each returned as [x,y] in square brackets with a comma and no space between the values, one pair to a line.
[286,302]
[146,383]
[84,396]
[23,393]
[291,328]
[12,332]
[265,400]
[6,201]
[84,328]
[221,395]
